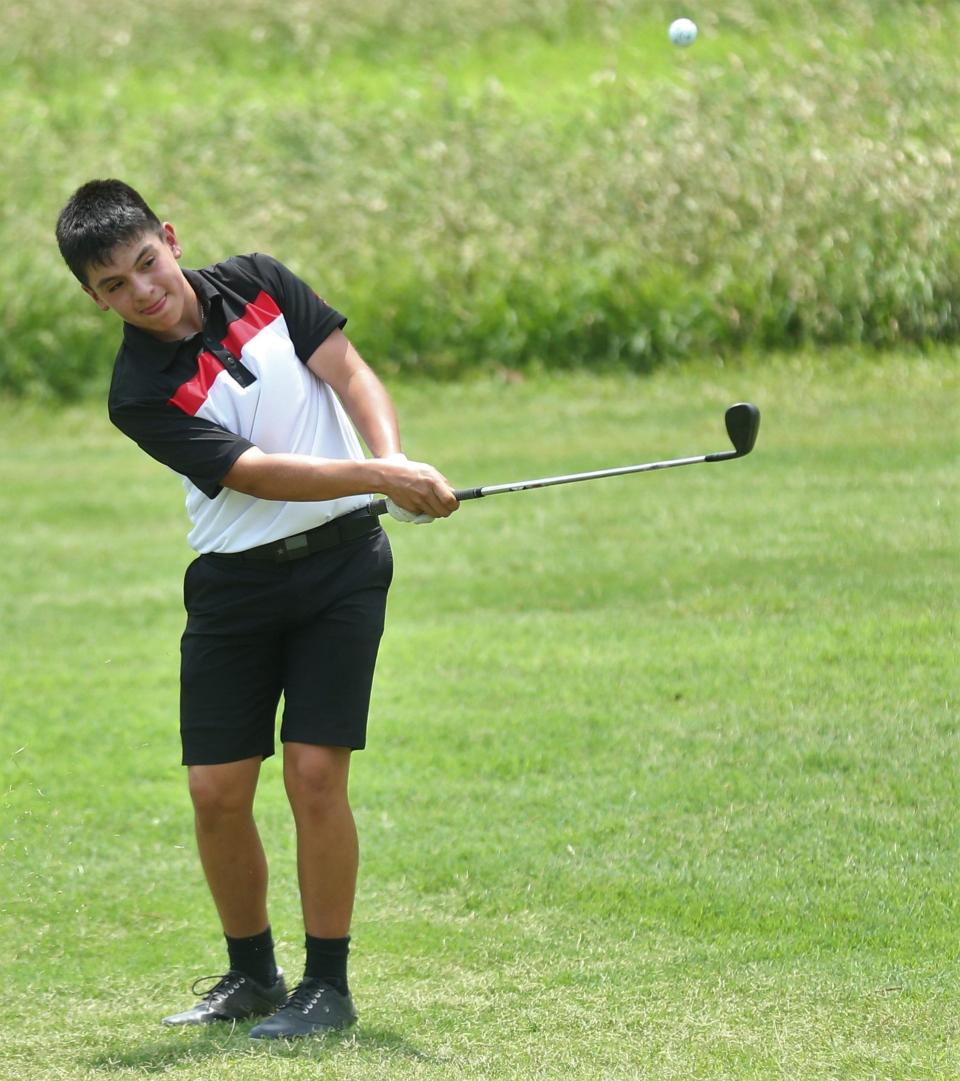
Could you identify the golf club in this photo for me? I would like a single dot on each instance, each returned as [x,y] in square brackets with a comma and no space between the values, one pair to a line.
[742,422]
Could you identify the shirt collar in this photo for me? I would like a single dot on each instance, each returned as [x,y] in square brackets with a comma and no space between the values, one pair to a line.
[162,353]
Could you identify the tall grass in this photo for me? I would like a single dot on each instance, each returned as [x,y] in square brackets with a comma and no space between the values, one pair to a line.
[528,184]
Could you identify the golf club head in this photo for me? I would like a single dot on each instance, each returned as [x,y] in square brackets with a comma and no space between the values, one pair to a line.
[743,423]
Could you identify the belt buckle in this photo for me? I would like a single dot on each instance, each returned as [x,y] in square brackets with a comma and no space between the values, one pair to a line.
[295,543]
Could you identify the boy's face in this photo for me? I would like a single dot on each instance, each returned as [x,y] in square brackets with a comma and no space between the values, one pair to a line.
[143,284]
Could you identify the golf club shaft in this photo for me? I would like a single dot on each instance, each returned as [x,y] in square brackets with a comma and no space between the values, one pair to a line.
[380,506]
[742,422]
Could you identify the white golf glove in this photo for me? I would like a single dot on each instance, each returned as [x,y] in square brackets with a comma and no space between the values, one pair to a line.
[401,515]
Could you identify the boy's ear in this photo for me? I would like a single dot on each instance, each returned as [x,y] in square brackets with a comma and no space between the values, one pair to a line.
[93,296]
[170,237]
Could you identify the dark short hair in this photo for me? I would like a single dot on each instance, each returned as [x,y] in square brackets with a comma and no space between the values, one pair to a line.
[98,216]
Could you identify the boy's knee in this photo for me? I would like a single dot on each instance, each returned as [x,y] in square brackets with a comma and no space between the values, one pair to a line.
[218,793]
[316,774]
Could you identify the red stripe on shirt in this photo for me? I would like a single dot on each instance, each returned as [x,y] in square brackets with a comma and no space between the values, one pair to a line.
[258,314]
[191,395]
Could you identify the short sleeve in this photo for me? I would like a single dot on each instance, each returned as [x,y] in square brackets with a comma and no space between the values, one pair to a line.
[310,319]
[198,449]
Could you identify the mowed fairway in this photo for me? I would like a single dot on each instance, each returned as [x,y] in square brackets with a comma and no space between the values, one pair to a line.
[662,780]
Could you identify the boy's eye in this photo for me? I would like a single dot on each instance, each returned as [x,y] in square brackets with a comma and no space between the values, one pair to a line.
[113,288]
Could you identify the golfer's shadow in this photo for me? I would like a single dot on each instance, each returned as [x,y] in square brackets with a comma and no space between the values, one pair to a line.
[227,1041]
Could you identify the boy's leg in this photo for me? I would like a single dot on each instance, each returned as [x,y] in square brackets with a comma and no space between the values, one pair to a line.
[316,780]
[229,844]
[328,672]
[236,870]
[327,859]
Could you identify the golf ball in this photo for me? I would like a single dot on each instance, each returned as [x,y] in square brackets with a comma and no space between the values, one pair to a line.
[683,32]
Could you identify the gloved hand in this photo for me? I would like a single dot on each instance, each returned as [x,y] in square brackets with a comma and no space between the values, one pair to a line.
[401,515]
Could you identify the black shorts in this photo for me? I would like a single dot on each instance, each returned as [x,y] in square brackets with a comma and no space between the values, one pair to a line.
[308,629]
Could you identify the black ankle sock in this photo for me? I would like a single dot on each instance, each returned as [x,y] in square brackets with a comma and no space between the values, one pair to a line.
[327,961]
[253,957]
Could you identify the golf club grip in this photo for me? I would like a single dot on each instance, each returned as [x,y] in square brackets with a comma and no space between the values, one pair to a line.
[379,506]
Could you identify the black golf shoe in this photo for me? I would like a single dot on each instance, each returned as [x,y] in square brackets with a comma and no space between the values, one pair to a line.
[234,997]
[313,1009]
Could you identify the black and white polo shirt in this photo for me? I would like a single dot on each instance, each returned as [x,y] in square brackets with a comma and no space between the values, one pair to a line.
[196,405]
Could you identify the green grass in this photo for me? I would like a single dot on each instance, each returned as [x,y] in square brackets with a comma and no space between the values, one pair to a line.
[662,778]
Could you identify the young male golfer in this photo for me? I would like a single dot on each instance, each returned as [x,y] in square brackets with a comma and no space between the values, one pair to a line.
[240,378]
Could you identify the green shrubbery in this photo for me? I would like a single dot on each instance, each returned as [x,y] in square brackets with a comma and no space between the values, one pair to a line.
[515,184]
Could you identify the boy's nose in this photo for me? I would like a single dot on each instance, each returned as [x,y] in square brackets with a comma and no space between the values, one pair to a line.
[141,288]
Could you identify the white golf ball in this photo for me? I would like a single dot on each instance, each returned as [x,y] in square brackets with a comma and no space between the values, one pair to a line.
[683,32]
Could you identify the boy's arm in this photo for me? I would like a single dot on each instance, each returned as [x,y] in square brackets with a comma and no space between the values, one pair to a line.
[415,486]
[364,397]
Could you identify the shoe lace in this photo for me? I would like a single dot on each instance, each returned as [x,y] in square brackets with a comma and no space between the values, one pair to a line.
[222,985]
[305,996]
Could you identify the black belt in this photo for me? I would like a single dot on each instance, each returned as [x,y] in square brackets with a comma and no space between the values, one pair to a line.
[357,523]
